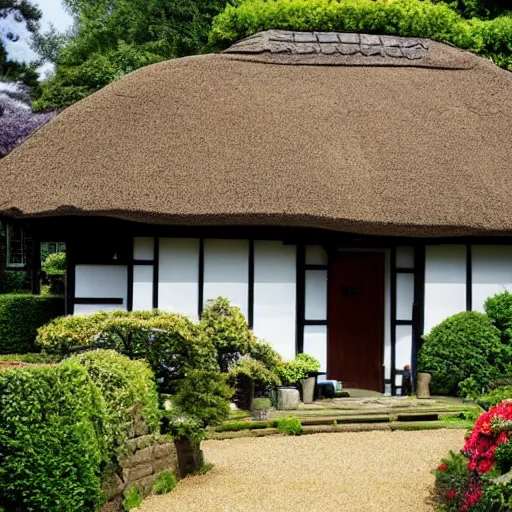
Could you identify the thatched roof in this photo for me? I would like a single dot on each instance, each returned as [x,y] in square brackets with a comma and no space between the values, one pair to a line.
[366,134]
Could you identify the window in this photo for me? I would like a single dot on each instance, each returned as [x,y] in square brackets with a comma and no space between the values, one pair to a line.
[15,247]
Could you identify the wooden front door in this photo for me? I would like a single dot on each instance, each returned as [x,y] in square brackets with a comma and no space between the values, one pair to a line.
[355,344]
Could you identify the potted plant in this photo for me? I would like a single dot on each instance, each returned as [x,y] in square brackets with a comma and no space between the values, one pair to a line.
[260,408]
[297,372]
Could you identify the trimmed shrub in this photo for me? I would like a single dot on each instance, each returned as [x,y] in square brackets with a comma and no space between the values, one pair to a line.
[465,345]
[499,309]
[409,18]
[255,371]
[128,389]
[289,426]
[70,333]
[261,404]
[20,317]
[182,358]
[227,329]
[204,396]
[50,450]
[55,264]
[266,355]
[31,358]
[292,372]
[13,281]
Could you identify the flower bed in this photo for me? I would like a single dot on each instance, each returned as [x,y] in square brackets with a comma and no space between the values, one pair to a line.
[479,478]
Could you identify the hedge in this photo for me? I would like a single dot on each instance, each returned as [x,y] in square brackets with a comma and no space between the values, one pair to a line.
[50,450]
[20,317]
[409,18]
[63,424]
[126,386]
[13,281]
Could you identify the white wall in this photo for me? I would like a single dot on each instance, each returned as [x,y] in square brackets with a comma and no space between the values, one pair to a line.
[403,349]
[101,281]
[491,272]
[226,271]
[178,272]
[274,295]
[316,295]
[445,282]
[142,288]
[404,296]
[315,344]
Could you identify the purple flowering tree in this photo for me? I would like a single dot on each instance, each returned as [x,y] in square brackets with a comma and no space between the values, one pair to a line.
[17,121]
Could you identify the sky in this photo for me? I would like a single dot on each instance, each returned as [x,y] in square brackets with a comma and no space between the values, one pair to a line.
[53,12]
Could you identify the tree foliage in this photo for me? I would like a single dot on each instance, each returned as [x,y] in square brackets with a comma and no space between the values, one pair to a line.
[25,14]
[115,37]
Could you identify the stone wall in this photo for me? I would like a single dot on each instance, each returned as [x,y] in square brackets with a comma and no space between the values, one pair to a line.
[146,457]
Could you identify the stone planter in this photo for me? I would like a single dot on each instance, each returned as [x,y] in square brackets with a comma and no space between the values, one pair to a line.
[287,398]
[423,383]
[308,390]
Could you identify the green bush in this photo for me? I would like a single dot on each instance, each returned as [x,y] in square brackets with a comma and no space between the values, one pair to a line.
[499,309]
[70,333]
[410,18]
[289,426]
[170,343]
[494,397]
[20,317]
[55,264]
[226,327]
[266,355]
[503,457]
[205,396]
[13,281]
[261,404]
[128,389]
[254,370]
[165,483]
[462,346]
[291,372]
[182,358]
[50,450]
[31,358]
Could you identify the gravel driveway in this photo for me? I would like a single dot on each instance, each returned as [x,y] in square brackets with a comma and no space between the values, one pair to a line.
[345,472]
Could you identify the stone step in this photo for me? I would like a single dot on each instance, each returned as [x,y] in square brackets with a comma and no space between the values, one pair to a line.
[349,427]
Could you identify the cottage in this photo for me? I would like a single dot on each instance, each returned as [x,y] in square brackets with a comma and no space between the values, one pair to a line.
[346,191]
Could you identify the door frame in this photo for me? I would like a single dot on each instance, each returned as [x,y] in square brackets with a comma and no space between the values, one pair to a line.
[387,339]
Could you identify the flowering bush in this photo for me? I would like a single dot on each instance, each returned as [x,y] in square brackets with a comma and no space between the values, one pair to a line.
[473,480]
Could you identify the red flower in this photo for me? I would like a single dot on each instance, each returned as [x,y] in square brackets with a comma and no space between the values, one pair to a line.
[451,494]
[442,467]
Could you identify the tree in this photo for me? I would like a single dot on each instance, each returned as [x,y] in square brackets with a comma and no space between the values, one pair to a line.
[479,8]
[24,13]
[115,37]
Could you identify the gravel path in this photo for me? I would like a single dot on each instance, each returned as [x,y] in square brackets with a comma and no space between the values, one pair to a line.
[345,472]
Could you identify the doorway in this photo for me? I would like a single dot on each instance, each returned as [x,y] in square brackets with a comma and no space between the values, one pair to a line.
[355,345]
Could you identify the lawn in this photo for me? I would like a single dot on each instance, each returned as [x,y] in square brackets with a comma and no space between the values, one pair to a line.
[368,471]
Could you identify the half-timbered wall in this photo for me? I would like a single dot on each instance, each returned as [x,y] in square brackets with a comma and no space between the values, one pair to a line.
[282,288]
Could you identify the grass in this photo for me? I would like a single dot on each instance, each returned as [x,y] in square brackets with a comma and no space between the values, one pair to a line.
[165,483]
[132,498]
[205,468]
